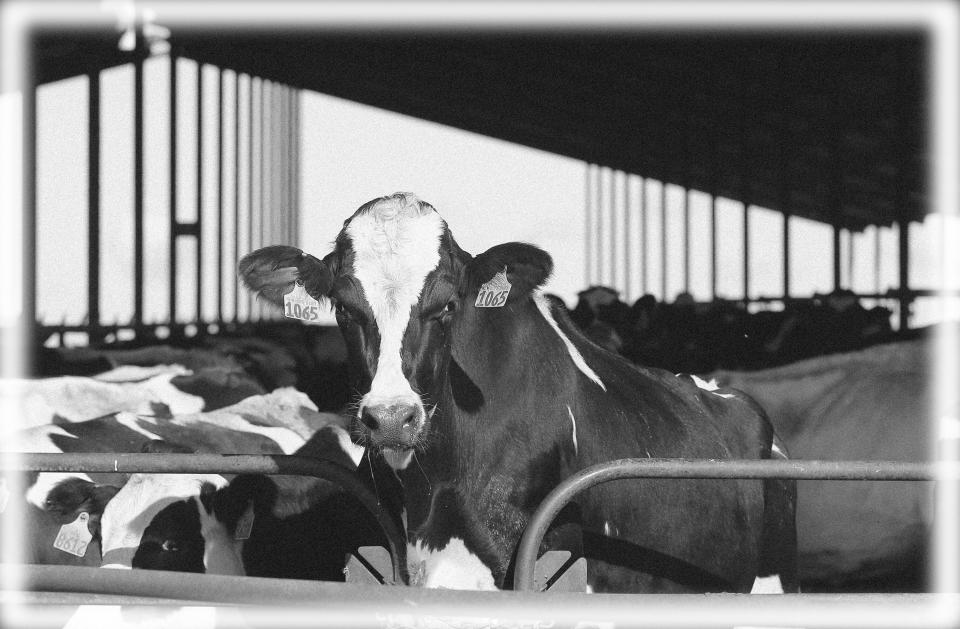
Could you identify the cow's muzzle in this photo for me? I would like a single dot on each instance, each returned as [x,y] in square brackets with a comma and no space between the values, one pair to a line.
[394,426]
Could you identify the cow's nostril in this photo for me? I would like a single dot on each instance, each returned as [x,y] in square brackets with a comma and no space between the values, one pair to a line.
[369,420]
[408,416]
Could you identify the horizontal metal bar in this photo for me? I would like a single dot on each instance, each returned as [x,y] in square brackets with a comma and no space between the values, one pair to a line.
[296,603]
[708,468]
[219,464]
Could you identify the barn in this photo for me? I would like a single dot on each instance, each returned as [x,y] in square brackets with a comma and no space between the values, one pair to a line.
[689,135]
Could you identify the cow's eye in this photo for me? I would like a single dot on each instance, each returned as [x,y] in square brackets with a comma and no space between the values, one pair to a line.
[448,309]
[170,546]
[342,312]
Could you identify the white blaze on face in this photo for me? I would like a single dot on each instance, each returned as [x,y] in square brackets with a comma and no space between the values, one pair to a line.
[452,567]
[130,511]
[396,245]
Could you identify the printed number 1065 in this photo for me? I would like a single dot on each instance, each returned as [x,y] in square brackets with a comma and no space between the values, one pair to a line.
[296,311]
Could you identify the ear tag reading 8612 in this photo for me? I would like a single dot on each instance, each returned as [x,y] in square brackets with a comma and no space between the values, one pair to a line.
[74,537]
[297,304]
[494,293]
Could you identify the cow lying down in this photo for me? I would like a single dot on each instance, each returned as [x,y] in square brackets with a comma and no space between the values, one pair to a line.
[158,390]
[256,525]
[283,422]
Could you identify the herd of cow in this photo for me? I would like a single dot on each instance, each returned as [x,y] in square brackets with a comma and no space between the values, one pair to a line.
[476,395]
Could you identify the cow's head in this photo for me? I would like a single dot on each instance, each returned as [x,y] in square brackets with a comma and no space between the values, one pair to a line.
[398,281]
[392,279]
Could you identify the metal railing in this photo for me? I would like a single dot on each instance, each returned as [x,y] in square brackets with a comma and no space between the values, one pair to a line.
[220,464]
[707,468]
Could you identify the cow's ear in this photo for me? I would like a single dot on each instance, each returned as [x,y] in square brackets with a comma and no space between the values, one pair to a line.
[527,267]
[271,272]
[72,495]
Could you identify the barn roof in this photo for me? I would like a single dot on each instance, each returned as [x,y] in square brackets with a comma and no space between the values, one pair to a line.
[828,125]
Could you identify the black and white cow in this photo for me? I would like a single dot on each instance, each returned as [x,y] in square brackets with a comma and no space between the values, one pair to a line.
[41,504]
[483,396]
[253,525]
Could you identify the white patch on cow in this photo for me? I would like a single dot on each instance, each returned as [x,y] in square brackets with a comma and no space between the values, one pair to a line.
[39,439]
[589,589]
[452,567]
[573,421]
[396,244]
[129,420]
[221,552]
[544,307]
[767,585]
[131,510]
[75,399]
[397,459]
[351,449]
[775,449]
[710,386]
[137,373]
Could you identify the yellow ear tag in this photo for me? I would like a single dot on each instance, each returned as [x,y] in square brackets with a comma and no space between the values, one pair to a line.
[297,304]
[74,538]
[494,293]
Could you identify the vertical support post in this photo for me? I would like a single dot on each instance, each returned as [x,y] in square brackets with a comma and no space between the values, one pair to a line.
[221,79]
[173,189]
[236,190]
[903,243]
[686,240]
[93,203]
[28,315]
[250,99]
[836,257]
[296,168]
[138,191]
[713,246]
[786,256]
[199,233]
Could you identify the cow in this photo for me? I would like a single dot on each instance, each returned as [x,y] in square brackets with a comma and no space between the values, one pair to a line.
[871,404]
[160,390]
[276,423]
[483,397]
[252,524]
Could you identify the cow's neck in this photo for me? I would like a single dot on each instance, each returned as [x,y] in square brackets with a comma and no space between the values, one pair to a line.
[520,447]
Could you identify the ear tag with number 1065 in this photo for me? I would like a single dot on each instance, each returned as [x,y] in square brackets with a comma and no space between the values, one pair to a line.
[494,293]
[297,304]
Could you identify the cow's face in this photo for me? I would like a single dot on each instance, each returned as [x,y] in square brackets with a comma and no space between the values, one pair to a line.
[392,279]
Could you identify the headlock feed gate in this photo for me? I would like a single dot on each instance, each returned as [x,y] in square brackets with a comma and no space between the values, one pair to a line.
[227,178]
